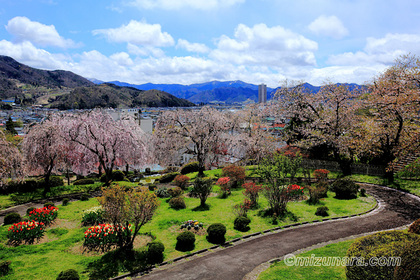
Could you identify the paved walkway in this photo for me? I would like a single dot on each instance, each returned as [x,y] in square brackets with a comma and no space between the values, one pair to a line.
[397,209]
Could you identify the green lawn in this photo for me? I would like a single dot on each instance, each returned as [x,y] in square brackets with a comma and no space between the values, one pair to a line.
[62,248]
[280,270]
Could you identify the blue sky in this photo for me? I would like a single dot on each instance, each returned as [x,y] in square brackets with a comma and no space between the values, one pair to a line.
[194,41]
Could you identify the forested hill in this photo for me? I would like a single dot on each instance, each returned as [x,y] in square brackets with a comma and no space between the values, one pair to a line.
[110,95]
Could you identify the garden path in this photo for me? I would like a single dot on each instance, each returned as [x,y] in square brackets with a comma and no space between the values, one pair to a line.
[396,209]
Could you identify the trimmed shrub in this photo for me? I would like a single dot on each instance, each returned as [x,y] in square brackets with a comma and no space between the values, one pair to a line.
[69,274]
[322,211]
[383,244]
[189,167]
[12,218]
[216,233]
[49,203]
[29,210]
[4,267]
[235,173]
[185,241]
[65,201]
[152,187]
[87,181]
[55,181]
[84,197]
[181,181]
[415,227]
[177,203]
[175,192]
[162,192]
[155,251]
[117,175]
[168,177]
[362,192]
[241,223]
[345,188]
[29,185]
[409,268]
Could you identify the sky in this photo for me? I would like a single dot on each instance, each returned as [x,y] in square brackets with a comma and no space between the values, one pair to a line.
[196,41]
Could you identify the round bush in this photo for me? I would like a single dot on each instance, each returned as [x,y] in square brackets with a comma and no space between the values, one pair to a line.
[181,181]
[117,175]
[177,203]
[12,218]
[87,181]
[345,188]
[168,177]
[162,192]
[362,192]
[152,187]
[410,263]
[185,241]
[216,233]
[190,167]
[55,181]
[84,197]
[175,192]
[241,223]
[4,267]
[415,227]
[383,244]
[49,203]
[65,201]
[155,252]
[29,210]
[69,274]
[322,211]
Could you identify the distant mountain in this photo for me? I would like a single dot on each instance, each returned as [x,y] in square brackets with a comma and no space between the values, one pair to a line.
[215,91]
[109,95]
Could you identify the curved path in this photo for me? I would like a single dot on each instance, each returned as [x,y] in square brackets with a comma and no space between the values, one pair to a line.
[397,209]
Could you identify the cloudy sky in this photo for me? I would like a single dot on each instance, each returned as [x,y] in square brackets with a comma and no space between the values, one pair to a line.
[194,41]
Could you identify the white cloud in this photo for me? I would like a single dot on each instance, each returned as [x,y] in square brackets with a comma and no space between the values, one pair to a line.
[122,58]
[145,51]
[192,47]
[329,26]
[262,45]
[23,29]
[181,4]
[382,51]
[137,33]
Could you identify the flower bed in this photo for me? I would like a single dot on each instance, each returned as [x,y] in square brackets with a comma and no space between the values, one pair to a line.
[45,215]
[26,232]
[192,224]
[103,236]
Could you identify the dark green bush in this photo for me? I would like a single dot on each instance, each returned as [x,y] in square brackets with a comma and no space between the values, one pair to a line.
[28,185]
[65,201]
[84,197]
[69,274]
[168,177]
[155,251]
[4,267]
[55,181]
[49,203]
[29,210]
[117,175]
[86,181]
[152,187]
[216,233]
[322,211]
[317,191]
[175,192]
[383,244]
[362,192]
[185,241]
[12,218]
[409,268]
[162,192]
[415,227]
[189,167]
[241,223]
[345,188]
[177,203]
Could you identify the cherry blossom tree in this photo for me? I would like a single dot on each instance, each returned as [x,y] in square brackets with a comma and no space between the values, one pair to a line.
[391,127]
[44,150]
[11,160]
[327,118]
[200,133]
[102,140]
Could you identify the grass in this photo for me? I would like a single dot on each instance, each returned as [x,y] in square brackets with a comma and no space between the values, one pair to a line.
[62,249]
[280,270]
